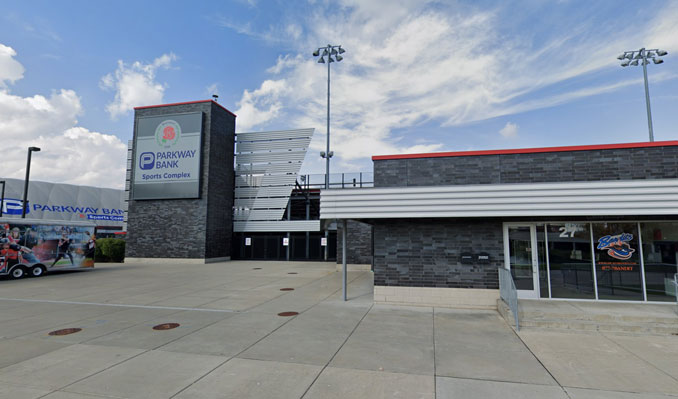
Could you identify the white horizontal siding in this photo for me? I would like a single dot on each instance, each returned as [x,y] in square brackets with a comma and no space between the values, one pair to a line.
[279,145]
[258,214]
[632,197]
[274,135]
[269,157]
[283,225]
[261,169]
[263,203]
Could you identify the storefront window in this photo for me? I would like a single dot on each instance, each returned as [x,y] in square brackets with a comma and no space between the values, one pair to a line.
[617,255]
[660,245]
[571,267]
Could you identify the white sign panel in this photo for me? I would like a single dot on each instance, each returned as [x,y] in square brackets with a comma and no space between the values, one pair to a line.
[167,157]
[286,242]
[248,241]
[323,241]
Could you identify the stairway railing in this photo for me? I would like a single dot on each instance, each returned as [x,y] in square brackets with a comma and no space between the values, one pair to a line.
[509,293]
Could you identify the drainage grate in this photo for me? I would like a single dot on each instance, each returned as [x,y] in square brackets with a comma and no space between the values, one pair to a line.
[166,326]
[256,268]
[288,314]
[287,289]
[292,273]
[65,331]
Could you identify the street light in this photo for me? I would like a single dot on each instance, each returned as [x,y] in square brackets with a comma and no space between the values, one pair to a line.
[28,173]
[642,56]
[328,51]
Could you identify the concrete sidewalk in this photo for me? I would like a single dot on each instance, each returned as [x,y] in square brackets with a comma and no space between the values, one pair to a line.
[231,342]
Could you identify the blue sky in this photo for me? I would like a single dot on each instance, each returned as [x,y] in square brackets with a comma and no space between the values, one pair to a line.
[417,76]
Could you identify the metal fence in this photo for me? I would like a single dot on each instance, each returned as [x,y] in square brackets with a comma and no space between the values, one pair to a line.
[508,293]
[337,180]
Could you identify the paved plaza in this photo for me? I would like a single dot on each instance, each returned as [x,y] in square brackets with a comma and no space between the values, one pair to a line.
[232,343]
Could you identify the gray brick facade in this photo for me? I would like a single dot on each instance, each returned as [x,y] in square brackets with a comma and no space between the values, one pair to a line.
[359,240]
[425,252]
[189,228]
[591,165]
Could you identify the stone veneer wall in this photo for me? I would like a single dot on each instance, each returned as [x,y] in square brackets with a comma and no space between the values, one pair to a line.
[190,228]
[591,165]
[359,240]
[426,253]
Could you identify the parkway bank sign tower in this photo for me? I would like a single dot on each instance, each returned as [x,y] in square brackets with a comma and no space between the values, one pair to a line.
[181,183]
[198,191]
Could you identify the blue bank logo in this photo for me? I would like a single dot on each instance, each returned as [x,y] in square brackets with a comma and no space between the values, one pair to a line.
[11,206]
[146,160]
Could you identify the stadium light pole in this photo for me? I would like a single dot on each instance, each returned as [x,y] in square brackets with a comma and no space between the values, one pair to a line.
[28,173]
[328,51]
[642,56]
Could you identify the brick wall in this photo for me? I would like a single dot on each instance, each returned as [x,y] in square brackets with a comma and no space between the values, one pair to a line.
[359,243]
[190,228]
[592,165]
[426,252]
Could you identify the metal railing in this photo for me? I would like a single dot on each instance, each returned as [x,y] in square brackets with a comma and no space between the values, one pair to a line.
[337,180]
[508,293]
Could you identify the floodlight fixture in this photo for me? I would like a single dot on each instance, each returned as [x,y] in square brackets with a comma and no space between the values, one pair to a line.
[643,57]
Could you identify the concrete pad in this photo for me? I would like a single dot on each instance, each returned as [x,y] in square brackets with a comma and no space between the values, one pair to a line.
[64,366]
[72,395]
[490,364]
[385,337]
[59,316]
[17,350]
[242,378]
[342,383]
[312,337]
[447,387]
[661,351]
[479,331]
[20,392]
[566,342]
[154,374]
[143,336]
[228,337]
[578,393]
[610,372]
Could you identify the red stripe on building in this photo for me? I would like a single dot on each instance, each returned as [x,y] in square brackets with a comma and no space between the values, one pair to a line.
[527,150]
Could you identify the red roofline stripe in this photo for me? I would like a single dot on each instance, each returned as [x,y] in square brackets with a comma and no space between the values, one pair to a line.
[527,150]
[184,103]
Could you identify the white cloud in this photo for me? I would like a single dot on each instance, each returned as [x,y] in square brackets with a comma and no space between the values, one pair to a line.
[10,69]
[135,85]
[70,153]
[415,63]
[212,89]
[510,130]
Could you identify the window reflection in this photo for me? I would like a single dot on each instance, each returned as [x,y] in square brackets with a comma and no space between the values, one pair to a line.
[660,245]
[618,270]
[570,262]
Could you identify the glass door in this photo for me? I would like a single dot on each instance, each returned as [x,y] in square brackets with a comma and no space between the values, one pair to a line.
[520,252]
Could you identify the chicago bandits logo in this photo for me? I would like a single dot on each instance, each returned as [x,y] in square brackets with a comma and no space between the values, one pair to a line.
[167,133]
[617,246]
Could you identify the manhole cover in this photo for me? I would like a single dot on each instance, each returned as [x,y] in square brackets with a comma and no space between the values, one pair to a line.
[288,314]
[292,273]
[287,289]
[256,268]
[166,326]
[66,331]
